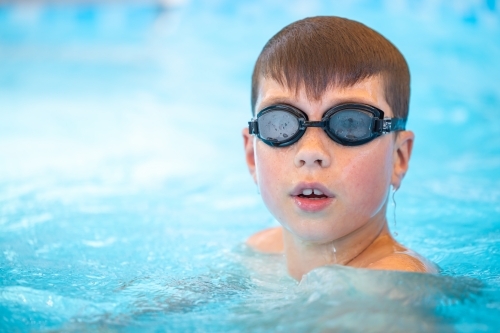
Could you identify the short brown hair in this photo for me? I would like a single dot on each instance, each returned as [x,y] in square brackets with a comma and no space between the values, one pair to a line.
[327,51]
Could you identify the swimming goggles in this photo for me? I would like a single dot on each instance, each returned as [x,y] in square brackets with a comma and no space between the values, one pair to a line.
[350,124]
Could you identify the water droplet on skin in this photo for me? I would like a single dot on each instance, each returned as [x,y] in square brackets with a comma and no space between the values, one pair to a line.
[394,209]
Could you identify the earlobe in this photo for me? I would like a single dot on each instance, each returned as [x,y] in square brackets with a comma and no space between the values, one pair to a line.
[249,152]
[402,152]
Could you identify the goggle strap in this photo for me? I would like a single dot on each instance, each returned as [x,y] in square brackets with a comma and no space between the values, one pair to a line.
[398,124]
[387,125]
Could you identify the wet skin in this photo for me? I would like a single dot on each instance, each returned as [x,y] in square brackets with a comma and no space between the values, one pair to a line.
[346,224]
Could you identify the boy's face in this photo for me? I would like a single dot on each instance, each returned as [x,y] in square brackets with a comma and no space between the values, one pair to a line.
[355,180]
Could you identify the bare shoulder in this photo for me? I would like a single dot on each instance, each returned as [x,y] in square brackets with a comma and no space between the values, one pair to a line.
[267,241]
[408,261]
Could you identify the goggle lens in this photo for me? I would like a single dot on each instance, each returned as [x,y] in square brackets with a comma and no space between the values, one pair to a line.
[351,125]
[278,126]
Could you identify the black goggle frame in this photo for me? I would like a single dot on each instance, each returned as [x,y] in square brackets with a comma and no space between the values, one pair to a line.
[379,126]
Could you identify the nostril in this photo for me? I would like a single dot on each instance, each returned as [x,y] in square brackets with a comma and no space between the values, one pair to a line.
[312,152]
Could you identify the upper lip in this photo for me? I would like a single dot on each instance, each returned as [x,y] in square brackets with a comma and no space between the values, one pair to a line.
[299,188]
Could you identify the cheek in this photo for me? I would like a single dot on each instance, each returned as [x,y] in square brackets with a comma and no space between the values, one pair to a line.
[368,177]
[269,170]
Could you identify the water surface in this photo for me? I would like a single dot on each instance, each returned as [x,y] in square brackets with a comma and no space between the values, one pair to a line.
[124,196]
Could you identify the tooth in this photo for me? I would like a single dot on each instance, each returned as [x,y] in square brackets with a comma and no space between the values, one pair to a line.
[307,191]
[318,192]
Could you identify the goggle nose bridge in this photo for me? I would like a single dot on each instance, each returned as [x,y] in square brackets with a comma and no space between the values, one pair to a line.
[303,124]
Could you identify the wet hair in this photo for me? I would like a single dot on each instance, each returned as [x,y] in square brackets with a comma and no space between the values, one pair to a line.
[325,52]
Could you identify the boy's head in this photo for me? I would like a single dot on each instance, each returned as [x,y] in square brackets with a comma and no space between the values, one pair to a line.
[318,188]
[326,51]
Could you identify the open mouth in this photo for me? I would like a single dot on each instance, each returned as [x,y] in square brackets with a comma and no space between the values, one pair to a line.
[312,199]
[312,194]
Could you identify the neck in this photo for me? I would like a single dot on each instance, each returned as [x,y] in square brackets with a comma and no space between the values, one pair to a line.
[303,256]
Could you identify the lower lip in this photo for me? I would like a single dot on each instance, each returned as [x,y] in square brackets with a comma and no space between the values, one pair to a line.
[312,205]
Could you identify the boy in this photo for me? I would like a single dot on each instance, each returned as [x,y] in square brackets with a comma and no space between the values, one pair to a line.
[330,98]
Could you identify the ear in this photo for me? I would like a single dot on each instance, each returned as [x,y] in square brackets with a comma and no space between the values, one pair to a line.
[402,152]
[249,153]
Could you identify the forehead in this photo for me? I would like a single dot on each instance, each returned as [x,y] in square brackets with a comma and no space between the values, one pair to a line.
[367,91]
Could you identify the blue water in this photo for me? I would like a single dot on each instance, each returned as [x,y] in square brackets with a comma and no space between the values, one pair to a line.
[125,200]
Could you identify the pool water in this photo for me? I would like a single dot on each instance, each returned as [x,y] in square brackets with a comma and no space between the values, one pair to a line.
[125,200]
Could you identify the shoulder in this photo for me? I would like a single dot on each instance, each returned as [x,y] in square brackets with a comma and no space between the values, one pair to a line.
[404,261]
[267,241]
[385,253]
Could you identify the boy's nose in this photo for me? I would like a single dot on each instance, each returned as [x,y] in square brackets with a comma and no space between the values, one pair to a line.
[312,150]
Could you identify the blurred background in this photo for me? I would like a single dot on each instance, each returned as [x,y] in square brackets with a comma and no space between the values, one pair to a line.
[120,138]
[130,94]
[103,99]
